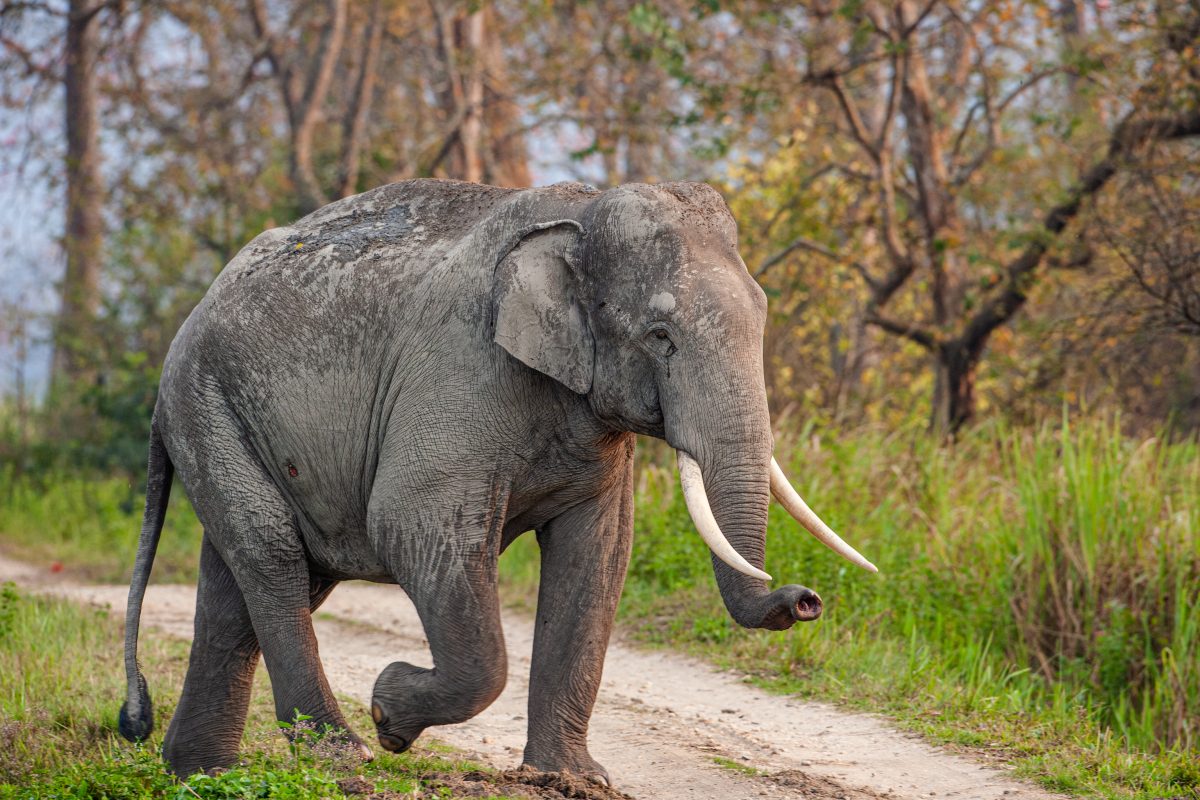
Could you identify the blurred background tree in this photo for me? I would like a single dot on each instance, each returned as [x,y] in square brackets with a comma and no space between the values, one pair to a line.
[959,209]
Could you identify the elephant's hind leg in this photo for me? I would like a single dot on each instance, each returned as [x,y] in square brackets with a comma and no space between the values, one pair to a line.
[251,531]
[207,727]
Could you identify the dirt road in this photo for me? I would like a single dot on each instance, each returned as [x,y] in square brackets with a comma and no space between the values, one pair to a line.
[659,723]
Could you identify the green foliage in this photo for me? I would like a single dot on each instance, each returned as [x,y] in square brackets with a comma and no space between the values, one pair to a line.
[8,608]
[297,782]
[113,415]
[89,526]
[61,682]
[1038,595]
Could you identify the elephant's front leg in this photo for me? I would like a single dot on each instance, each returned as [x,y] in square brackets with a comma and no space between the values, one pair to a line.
[585,553]
[444,557]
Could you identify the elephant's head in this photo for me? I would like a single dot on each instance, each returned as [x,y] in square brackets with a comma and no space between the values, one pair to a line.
[645,307]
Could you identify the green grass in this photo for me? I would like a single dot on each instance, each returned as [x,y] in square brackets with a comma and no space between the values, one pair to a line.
[89,527]
[61,683]
[1038,601]
[1038,598]
[735,766]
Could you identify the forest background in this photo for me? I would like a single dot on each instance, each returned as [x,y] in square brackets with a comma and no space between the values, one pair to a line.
[978,225]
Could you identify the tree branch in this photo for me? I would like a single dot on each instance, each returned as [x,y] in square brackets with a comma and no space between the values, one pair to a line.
[912,332]
[1129,135]
[833,81]
[803,243]
[25,56]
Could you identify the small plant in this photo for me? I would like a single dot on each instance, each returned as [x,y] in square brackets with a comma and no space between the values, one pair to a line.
[735,766]
[8,608]
[301,734]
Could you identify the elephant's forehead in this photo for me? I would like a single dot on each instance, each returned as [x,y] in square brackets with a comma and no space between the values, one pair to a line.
[639,226]
[642,216]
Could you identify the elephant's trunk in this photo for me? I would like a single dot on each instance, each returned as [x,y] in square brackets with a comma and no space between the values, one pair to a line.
[725,467]
[738,489]
[692,480]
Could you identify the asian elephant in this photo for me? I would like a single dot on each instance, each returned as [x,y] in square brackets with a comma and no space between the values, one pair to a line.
[397,386]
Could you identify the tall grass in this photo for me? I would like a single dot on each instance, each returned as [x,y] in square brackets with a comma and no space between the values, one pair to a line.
[89,526]
[1038,595]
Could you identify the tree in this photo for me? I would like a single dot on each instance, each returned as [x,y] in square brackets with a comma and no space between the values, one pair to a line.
[924,130]
[484,143]
[83,229]
[1159,244]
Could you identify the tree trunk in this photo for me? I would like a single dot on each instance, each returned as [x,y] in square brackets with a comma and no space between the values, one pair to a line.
[954,389]
[354,125]
[641,138]
[507,163]
[84,229]
[470,134]
[1072,26]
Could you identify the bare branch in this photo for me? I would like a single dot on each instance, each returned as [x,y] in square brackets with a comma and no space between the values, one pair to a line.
[911,331]
[26,57]
[804,243]
[925,12]
[833,82]
[893,101]
[1130,134]
[18,6]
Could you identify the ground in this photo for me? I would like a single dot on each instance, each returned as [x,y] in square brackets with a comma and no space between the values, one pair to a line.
[666,727]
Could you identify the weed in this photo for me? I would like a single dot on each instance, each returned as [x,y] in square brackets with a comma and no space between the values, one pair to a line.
[735,766]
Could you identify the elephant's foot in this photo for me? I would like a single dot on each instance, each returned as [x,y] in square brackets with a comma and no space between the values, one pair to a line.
[408,699]
[558,759]
[205,753]
[397,723]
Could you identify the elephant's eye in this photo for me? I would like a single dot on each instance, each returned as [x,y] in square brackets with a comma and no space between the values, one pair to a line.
[660,342]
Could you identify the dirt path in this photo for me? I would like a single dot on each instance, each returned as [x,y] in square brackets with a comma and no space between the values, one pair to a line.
[659,723]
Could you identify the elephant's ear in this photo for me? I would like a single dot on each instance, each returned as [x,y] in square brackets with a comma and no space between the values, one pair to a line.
[538,318]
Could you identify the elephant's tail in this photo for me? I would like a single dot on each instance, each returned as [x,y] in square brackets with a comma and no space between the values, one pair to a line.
[137,713]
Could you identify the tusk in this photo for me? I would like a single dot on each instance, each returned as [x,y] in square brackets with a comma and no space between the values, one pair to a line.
[697,503]
[787,496]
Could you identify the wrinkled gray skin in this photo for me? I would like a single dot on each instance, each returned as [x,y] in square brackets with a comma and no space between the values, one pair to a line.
[400,384]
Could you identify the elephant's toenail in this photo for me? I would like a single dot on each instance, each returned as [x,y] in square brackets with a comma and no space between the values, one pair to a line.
[377,714]
[392,744]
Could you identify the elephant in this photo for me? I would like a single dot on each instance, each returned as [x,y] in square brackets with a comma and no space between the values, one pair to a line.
[397,386]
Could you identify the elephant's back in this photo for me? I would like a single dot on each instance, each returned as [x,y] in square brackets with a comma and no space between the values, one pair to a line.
[393,232]
[307,322]
[341,274]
